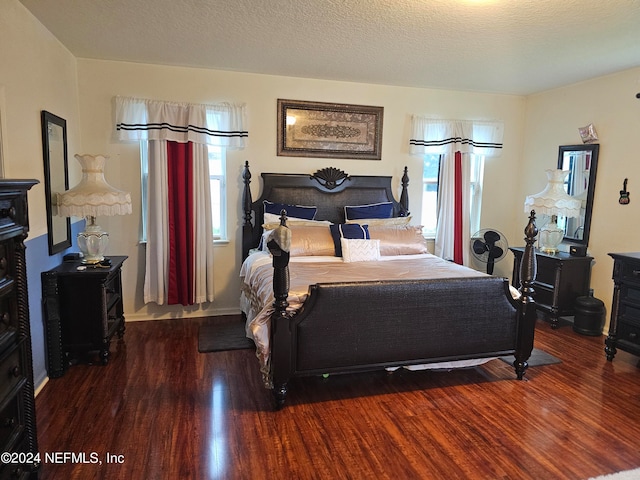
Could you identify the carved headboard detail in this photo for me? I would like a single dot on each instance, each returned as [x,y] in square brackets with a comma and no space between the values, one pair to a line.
[330,189]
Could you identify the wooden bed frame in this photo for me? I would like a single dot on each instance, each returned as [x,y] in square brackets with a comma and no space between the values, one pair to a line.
[405,322]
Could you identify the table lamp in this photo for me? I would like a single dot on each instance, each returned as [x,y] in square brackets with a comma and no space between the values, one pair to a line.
[93,197]
[553,201]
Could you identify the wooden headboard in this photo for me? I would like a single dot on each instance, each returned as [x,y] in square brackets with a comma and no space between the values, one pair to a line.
[329,189]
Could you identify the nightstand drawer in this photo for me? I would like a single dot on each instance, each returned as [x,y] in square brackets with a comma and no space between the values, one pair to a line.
[21,471]
[4,263]
[11,210]
[543,294]
[8,318]
[10,425]
[628,272]
[630,294]
[112,290]
[629,333]
[629,313]
[11,371]
[546,272]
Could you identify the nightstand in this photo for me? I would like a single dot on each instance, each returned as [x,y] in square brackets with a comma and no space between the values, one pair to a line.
[561,278]
[624,328]
[83,310]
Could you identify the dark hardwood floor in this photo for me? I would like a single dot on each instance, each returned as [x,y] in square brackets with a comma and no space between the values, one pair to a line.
[161,410]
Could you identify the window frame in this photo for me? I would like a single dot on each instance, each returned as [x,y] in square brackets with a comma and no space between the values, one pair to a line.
[475,193]
[222,236]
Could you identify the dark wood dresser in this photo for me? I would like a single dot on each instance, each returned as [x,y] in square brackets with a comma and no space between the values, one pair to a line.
[561,278]
[18,438]
[83,311]
[624,327]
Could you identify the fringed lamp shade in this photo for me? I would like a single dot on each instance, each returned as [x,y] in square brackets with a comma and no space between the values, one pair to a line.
[553,201]
[91,198]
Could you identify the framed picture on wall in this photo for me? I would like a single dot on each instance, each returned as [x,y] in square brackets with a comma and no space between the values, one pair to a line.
[329,130]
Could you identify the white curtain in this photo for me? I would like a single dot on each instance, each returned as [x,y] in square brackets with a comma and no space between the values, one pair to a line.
[158,123]
[446,138]
[157,258]
[203,224]
[142,119]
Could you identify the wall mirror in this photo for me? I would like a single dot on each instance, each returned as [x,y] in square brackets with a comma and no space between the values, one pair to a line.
[56,179]
[581,161]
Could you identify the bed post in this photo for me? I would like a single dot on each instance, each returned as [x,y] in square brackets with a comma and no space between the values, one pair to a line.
[247,227]
[527,306]
[404,195]
[279,244]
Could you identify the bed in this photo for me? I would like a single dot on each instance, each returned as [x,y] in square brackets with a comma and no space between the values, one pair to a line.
[313,309]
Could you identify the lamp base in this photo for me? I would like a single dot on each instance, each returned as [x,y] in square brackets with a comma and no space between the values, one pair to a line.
[550,237]
[93,242]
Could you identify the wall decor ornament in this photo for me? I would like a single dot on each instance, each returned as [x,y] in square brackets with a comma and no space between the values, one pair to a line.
[588,134]
[624,194]
[329,130]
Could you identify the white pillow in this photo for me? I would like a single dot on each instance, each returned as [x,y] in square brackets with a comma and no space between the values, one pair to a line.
[360,250]
[271,221]
[383,221]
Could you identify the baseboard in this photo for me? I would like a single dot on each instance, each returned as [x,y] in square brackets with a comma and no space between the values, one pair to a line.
[41,386]
[212,312]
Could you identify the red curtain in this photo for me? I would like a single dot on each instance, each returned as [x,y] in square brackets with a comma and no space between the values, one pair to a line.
[457,226]
[180,206]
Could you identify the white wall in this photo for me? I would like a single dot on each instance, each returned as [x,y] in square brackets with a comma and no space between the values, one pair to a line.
[100,81]
[553,119]
[36,73]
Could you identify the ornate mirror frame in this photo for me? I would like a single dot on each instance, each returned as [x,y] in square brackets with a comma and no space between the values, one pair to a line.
[56,179]
[582,162]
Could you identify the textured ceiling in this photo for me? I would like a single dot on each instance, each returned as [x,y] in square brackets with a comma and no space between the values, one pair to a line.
[503,46]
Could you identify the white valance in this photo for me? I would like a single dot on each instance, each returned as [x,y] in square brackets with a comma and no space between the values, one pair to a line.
[437,136]
[141,119]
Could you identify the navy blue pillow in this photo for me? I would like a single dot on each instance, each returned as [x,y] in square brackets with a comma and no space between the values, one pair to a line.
[295,211]
[347,230]
[374,210]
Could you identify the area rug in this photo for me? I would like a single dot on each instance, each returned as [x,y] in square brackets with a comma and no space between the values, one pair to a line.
[219,337]
[626,475]
[538,358]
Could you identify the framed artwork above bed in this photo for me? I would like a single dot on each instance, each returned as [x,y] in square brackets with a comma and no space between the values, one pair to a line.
[329,130]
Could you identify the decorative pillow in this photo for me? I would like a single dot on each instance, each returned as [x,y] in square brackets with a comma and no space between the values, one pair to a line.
[271,221]
[297,211]
[383,221]
[399,239]
[311,240]
[357,250]
[373,210]
[347,230]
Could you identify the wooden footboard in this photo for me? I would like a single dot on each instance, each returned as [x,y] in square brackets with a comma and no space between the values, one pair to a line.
[348,327]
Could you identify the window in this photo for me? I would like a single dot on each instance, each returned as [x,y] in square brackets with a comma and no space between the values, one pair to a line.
[475,197]
[430,173]
[217,171]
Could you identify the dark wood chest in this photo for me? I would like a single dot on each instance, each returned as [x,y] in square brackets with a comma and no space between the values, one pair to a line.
[624,328]
[18,437]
